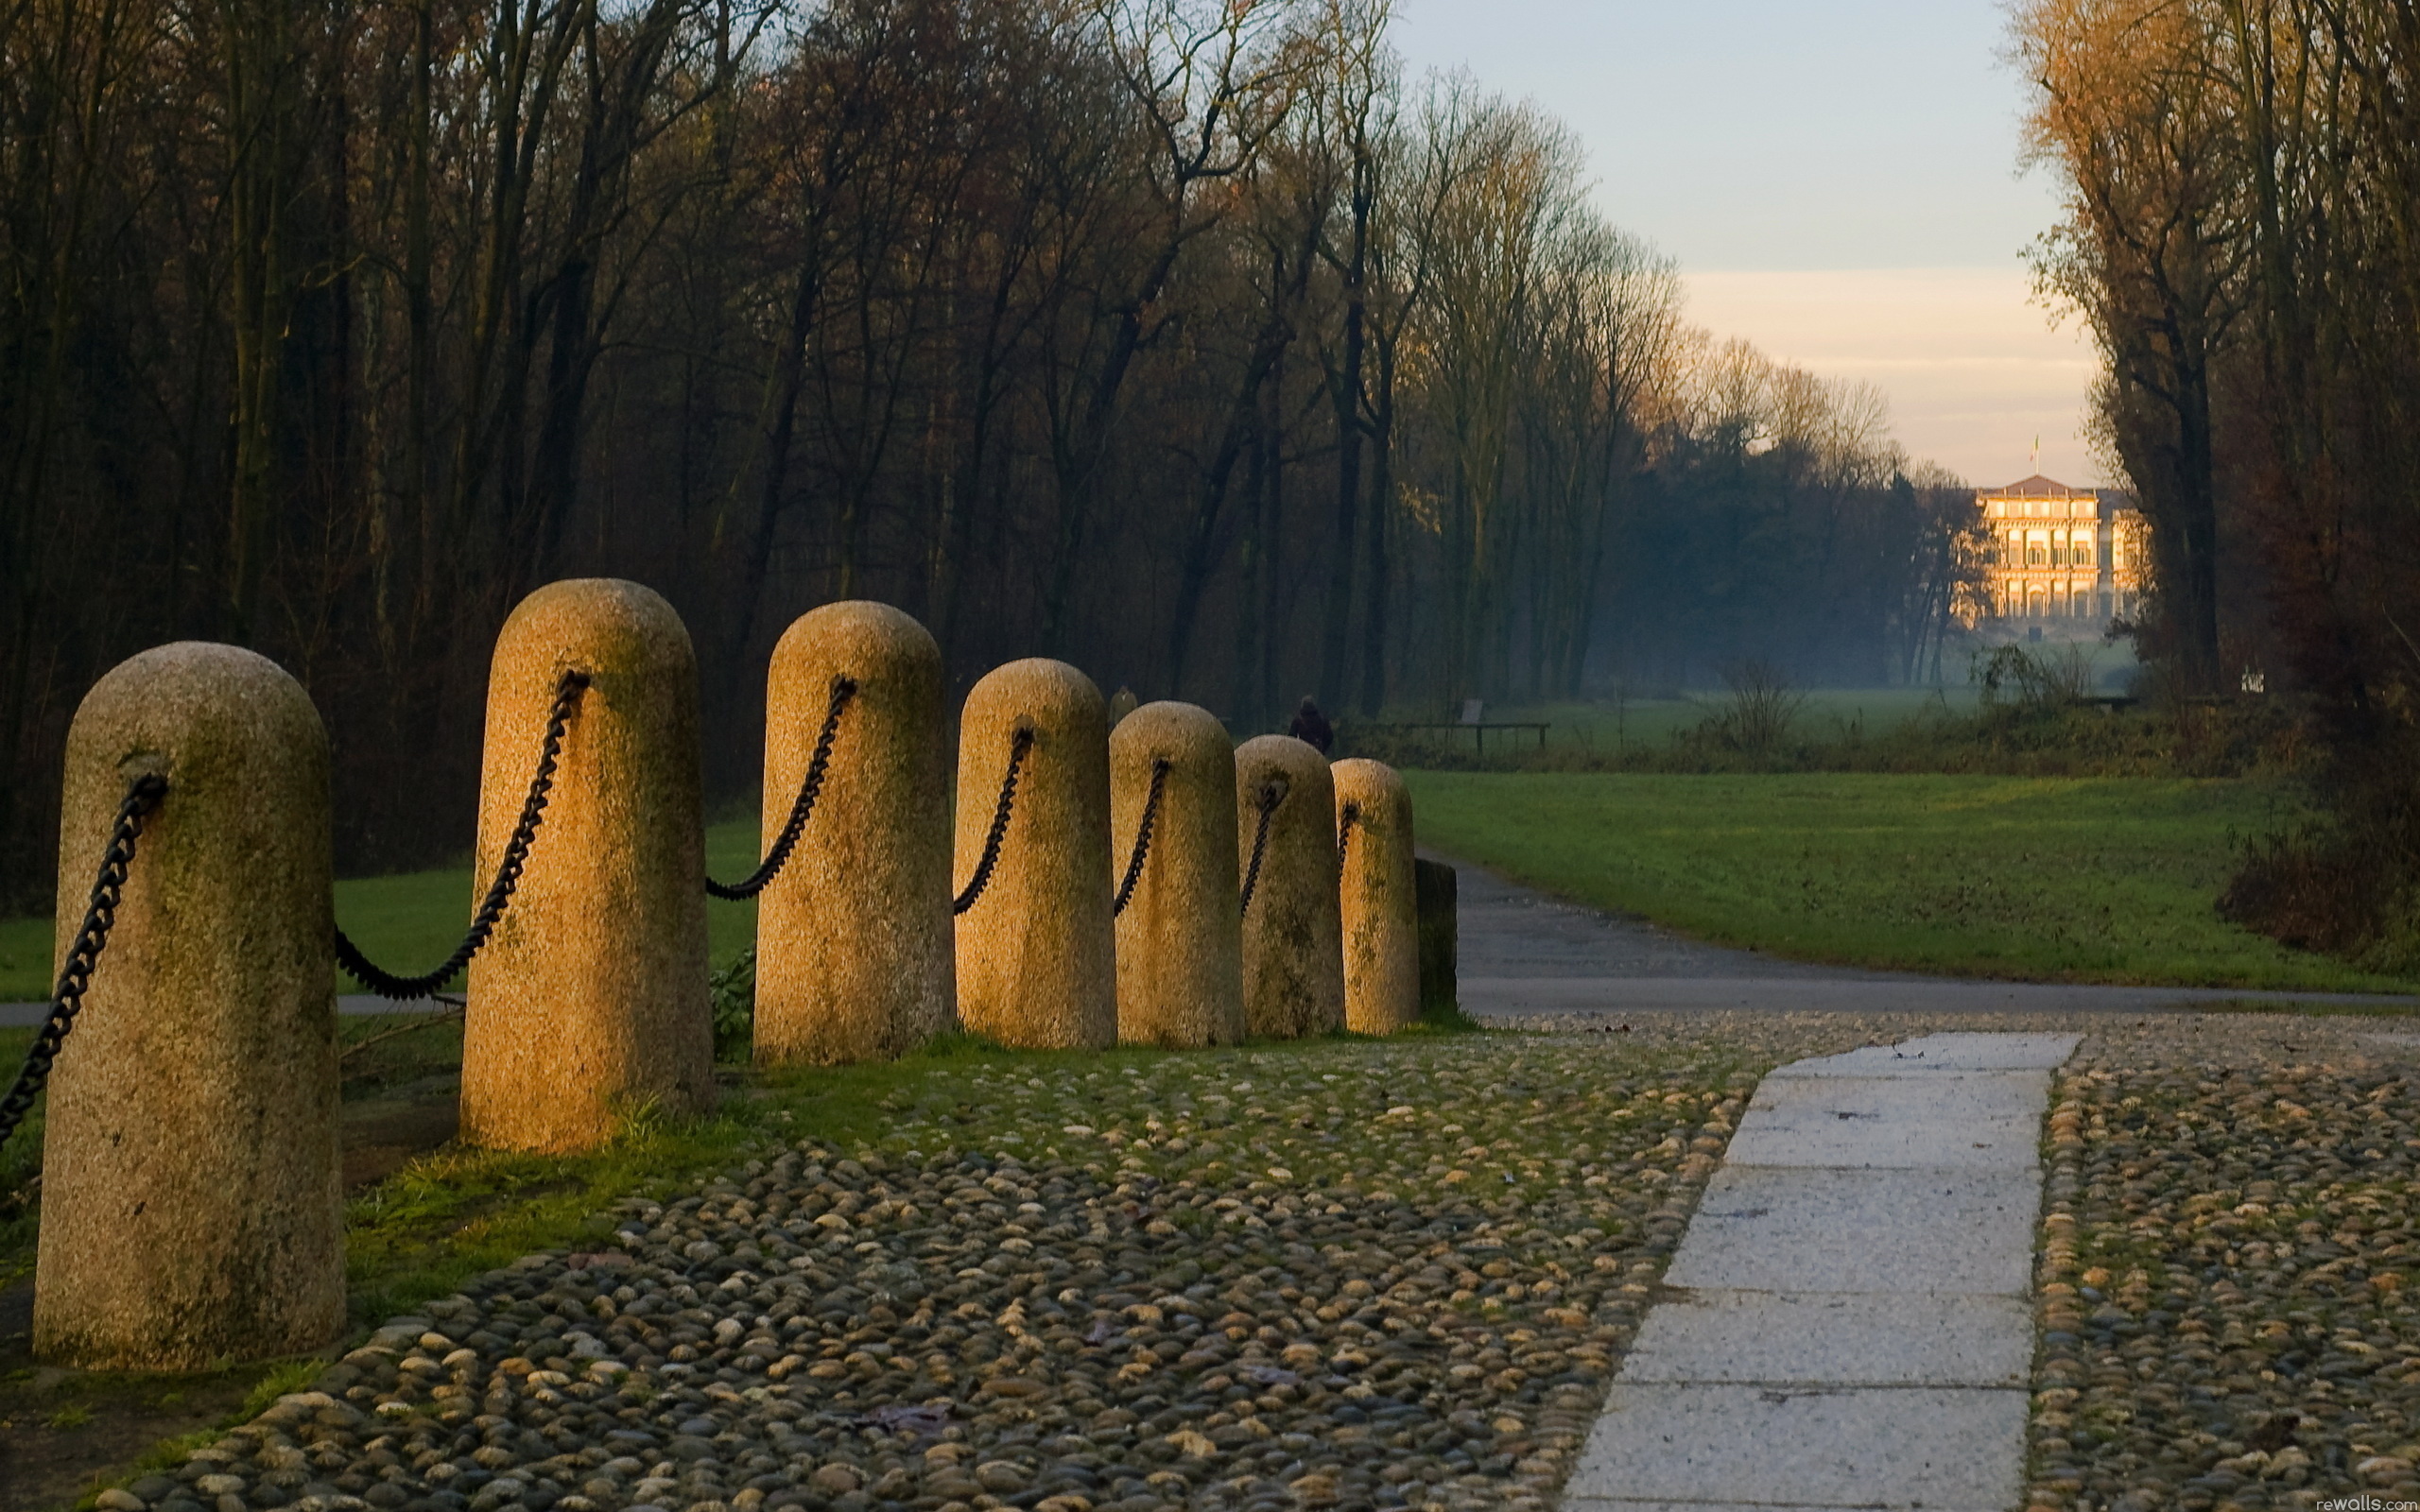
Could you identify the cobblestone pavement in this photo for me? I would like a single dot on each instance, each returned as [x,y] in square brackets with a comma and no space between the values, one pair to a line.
[1371,1276]
[1353,1275]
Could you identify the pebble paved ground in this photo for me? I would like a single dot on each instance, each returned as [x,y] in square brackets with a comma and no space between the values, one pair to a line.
[1353,1275]
[2224,1317]
[1368,1275]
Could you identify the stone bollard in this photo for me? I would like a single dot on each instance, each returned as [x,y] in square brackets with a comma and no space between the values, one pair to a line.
[1293,954]
[1036,958]
[1440,990]
[191,1210]
[853,936]
[1380,899]
[590,1002]
[1180,939]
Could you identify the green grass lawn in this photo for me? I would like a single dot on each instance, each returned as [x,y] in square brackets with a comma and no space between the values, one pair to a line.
[2097,880]
[2107,880]
[407,923]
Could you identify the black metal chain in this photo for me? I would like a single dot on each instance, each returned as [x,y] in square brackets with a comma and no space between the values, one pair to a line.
[1160,769]
[1272,794]
[1344,834]
[67,995]
[843,689]
[999,831]
[508,873]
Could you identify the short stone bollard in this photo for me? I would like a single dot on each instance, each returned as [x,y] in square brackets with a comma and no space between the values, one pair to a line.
[191,1210]
[1286,848]
[1036,958]
[1440,992]
[854,949]
[1380,899]
[590,1002]
[1180,938]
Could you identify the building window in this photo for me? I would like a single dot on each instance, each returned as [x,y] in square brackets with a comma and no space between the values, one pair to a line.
[2082,552]
[2036,555]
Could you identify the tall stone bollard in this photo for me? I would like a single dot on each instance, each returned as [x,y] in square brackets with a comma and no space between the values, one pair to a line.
[1293,954]
[591,1001]
[1036,958]
[853,936]
[1180,939]
[1380,899]
[1440,937]
[191,1210]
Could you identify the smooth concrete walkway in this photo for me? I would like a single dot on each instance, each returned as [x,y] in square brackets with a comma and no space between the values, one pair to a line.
[1848,1322]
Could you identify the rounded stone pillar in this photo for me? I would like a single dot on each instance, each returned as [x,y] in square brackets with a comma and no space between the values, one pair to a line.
[1379,897]
[191,1203]
[590,1001]
[1036,959]
[853,936]
[1180,939]
[1294,951]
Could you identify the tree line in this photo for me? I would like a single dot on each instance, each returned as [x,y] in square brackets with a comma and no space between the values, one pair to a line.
[1186,339]
[2243,238]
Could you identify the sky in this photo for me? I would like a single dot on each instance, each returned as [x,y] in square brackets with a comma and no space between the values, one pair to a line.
[1839,180]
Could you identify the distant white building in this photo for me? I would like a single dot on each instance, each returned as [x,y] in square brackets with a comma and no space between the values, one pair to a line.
[2058,555]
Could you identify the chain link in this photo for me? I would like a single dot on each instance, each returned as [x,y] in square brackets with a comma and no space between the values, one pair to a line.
[843,689]
[67,996]
[999,831]
[1344,834]
[508,873]
[1272,794]
[1160,769]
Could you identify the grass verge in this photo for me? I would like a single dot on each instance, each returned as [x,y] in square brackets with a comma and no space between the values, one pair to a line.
[2088,880]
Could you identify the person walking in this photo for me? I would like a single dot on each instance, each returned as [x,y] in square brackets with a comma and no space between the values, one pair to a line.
[1311,727]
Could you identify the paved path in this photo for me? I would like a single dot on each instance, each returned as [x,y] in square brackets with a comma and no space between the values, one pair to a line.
[1848,1323]
[1523,953]
[27,1015]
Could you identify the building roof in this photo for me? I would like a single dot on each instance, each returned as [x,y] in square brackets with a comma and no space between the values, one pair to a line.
[2038,487]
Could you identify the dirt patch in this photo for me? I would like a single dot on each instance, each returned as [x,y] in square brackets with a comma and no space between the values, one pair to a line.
[384,1133]
[64,1433]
